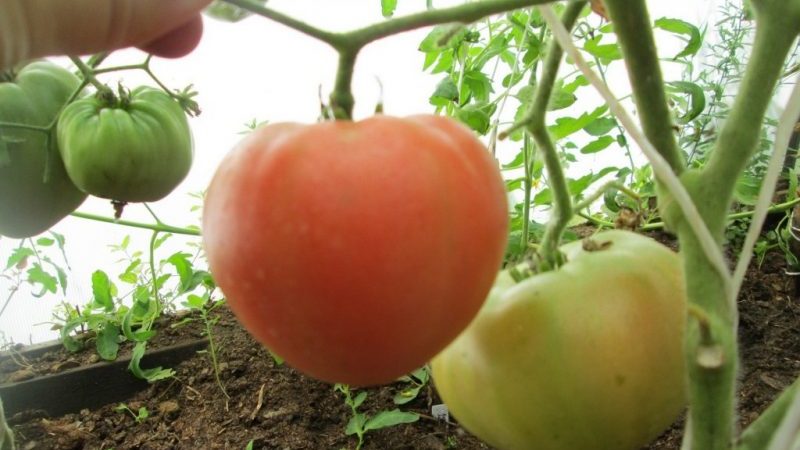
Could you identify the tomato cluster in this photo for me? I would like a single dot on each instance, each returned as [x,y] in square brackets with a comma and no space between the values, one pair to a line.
[359,251]
[133,148]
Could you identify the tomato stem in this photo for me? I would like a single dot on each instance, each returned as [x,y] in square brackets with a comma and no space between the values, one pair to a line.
[349,44]
[88,75]
[342,101]
[155,227]
[535,124]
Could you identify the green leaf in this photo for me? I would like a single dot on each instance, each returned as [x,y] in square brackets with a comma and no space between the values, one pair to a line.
[359,399]
[479,85]
[560,98]
[597,145]
[19,257]
[101,289]
[108,342]
[697,99]
[446,89]
[388,7]
[475,117]
[151,375]
[390,418]
[600,126]
[441,37]
[516,163]
[692,35]
[62,279]
[573,86]
[195,301]
[566,126]
[70,343]
[356,425]
[48,283]
[45,242]
[184,268]
[609,52]
[406,395]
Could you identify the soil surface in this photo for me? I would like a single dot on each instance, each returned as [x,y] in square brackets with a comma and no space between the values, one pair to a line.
[274,407]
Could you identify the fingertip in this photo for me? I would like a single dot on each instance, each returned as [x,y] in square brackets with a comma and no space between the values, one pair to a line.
[178,42]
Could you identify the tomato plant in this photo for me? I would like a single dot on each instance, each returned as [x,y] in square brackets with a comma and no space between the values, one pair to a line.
[589,356]
[35,191]
[134,148]
[356,250]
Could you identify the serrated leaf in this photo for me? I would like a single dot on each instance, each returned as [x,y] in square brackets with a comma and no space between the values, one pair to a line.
[19,257]
[108,342]
[516,163]
[694,39]
[565,126]
[388,7]
[101,290]
[597,145]
[390,418]
[479,84]
[38,276]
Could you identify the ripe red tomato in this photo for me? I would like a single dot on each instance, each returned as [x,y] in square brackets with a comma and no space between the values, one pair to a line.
[356,250]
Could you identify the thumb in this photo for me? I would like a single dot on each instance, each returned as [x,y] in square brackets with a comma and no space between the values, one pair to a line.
[36,28]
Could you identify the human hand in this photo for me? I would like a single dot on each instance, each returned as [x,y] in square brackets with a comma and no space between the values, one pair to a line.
[36,28]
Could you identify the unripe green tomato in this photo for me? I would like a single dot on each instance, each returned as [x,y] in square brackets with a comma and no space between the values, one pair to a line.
[138,150]
[587,357]
[35,191]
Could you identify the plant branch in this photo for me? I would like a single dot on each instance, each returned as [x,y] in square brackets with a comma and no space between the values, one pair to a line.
[561,212]
[88,74]
[350,43]
[633,29]
[154,227]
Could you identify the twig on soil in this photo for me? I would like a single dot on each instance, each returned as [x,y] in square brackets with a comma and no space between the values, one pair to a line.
[259,404]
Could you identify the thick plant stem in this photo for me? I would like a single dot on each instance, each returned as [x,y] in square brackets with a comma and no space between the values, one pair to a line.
[712,388]
[535,119]
[632,26]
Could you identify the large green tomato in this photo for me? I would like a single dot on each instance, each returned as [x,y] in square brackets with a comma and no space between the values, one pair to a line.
[135,150]
[31,201]
[584,358]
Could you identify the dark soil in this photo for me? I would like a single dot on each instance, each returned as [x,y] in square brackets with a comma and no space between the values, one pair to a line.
[276,408]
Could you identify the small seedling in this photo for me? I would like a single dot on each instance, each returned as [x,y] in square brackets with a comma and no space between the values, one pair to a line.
[416,380]
[361,423]
[139,416]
